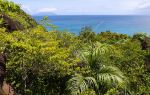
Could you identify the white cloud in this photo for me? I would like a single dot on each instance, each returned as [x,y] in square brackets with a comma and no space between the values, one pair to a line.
[26,8]
[145,5]
[143,8]
[47,10]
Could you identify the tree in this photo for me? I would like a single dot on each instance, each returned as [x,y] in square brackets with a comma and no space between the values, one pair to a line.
[101,77]
[47,23]
[87,35]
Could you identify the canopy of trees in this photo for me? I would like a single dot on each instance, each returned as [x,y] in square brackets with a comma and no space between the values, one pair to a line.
[62,63]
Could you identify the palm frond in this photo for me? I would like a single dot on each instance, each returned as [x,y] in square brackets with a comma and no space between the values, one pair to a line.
[79,84]
[95,56]
[110,75]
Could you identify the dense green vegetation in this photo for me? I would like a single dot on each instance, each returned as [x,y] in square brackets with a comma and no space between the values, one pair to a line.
[62,63]
[15,14]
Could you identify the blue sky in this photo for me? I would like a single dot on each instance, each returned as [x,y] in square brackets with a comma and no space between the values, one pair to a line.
[86,7]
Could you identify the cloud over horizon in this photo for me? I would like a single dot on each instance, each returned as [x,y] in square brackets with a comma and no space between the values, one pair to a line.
[47,9]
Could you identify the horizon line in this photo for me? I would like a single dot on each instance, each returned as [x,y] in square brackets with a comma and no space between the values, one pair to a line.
[92,15]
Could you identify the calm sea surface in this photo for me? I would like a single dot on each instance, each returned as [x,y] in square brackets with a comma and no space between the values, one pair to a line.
[120,24]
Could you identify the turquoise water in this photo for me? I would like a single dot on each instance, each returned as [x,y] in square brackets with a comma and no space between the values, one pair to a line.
[120,24]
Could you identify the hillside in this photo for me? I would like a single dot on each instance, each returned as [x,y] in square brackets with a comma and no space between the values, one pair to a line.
[14,18]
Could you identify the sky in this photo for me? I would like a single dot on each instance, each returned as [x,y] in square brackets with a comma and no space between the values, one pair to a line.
[86,7]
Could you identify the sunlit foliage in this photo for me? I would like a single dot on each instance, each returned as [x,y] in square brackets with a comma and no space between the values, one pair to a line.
[63,63]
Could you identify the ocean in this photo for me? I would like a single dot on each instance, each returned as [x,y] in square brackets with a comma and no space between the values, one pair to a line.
[99,23]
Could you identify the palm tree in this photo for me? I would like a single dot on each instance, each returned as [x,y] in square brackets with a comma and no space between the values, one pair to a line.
[79,84]
[102,77]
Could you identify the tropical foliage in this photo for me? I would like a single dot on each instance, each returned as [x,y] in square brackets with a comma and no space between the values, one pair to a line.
[63,63]
[14,12]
